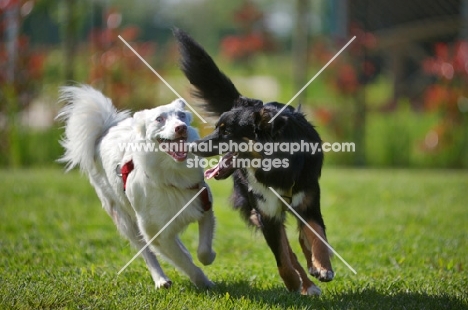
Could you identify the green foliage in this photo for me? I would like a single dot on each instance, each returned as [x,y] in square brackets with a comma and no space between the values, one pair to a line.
[404,232]
[31,148]
[398,139]
[393,137]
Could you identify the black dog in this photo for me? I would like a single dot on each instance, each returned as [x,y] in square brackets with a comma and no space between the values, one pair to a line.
[294,175]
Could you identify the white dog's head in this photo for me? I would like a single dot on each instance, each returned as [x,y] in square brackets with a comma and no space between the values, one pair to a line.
[168,126]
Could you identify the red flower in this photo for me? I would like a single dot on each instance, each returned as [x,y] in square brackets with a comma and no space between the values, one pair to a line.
[347,81]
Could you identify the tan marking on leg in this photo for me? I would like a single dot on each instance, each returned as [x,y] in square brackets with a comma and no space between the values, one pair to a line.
[305,246]
[306,282]
[321,265]
[288,273]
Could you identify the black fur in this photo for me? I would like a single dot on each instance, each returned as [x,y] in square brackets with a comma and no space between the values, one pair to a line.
[244,119]
[213,86]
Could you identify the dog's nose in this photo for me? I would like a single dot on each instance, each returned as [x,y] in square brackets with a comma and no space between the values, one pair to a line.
[180,129]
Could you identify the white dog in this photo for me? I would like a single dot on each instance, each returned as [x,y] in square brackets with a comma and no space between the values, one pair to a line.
[141,190]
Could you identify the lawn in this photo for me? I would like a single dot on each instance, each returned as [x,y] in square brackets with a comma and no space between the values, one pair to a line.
[404,231]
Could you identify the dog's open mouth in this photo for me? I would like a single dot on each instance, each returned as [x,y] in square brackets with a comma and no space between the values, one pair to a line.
[175,148]
[223,169]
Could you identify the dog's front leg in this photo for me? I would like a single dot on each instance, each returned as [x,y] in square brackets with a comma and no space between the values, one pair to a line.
[206,225]
[129,228]
[320,260]
[160,279]
[173,249]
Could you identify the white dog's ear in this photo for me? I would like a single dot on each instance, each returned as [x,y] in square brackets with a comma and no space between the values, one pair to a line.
[139,123]
[179,103]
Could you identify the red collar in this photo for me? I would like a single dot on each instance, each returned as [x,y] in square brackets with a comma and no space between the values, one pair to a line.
[207,203]
[125,171]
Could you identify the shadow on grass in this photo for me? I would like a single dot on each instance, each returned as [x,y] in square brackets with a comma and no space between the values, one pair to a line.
[363,299]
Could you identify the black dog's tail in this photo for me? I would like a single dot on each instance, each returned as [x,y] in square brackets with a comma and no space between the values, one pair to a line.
[213,86]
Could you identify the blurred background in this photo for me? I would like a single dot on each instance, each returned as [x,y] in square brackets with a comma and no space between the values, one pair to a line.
[399,91]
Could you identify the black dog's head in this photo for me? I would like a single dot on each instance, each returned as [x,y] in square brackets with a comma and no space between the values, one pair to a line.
[241,119]
[248,122]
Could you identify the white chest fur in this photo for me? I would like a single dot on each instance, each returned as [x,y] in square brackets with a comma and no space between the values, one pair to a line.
[271,205]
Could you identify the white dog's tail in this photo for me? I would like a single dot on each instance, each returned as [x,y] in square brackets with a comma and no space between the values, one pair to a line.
[87,115]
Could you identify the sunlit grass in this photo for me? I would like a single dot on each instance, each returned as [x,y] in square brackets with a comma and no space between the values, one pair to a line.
[404,231]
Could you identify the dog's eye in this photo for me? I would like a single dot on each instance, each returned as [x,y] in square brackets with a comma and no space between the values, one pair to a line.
[159,119]
[181,115]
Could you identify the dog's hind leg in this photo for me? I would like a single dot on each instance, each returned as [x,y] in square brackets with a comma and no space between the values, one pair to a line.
[206,225]
[315,250]
[173,249]
[275,236]
[308,287]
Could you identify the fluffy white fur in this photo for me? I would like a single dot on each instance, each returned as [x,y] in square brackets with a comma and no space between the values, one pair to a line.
[157,188]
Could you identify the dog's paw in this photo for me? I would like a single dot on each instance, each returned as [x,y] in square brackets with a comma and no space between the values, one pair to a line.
[163,283]
[209,284]
[205,284]
[206,257]
[322,275]
[201,281]
[313,290]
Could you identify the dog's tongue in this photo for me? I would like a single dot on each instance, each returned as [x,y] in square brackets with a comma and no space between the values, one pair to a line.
[212,171]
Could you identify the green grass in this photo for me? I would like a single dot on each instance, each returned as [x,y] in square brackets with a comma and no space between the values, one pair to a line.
[404,231]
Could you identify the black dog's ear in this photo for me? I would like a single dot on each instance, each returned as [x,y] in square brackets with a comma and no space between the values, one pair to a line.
[262,121]
[242,102]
